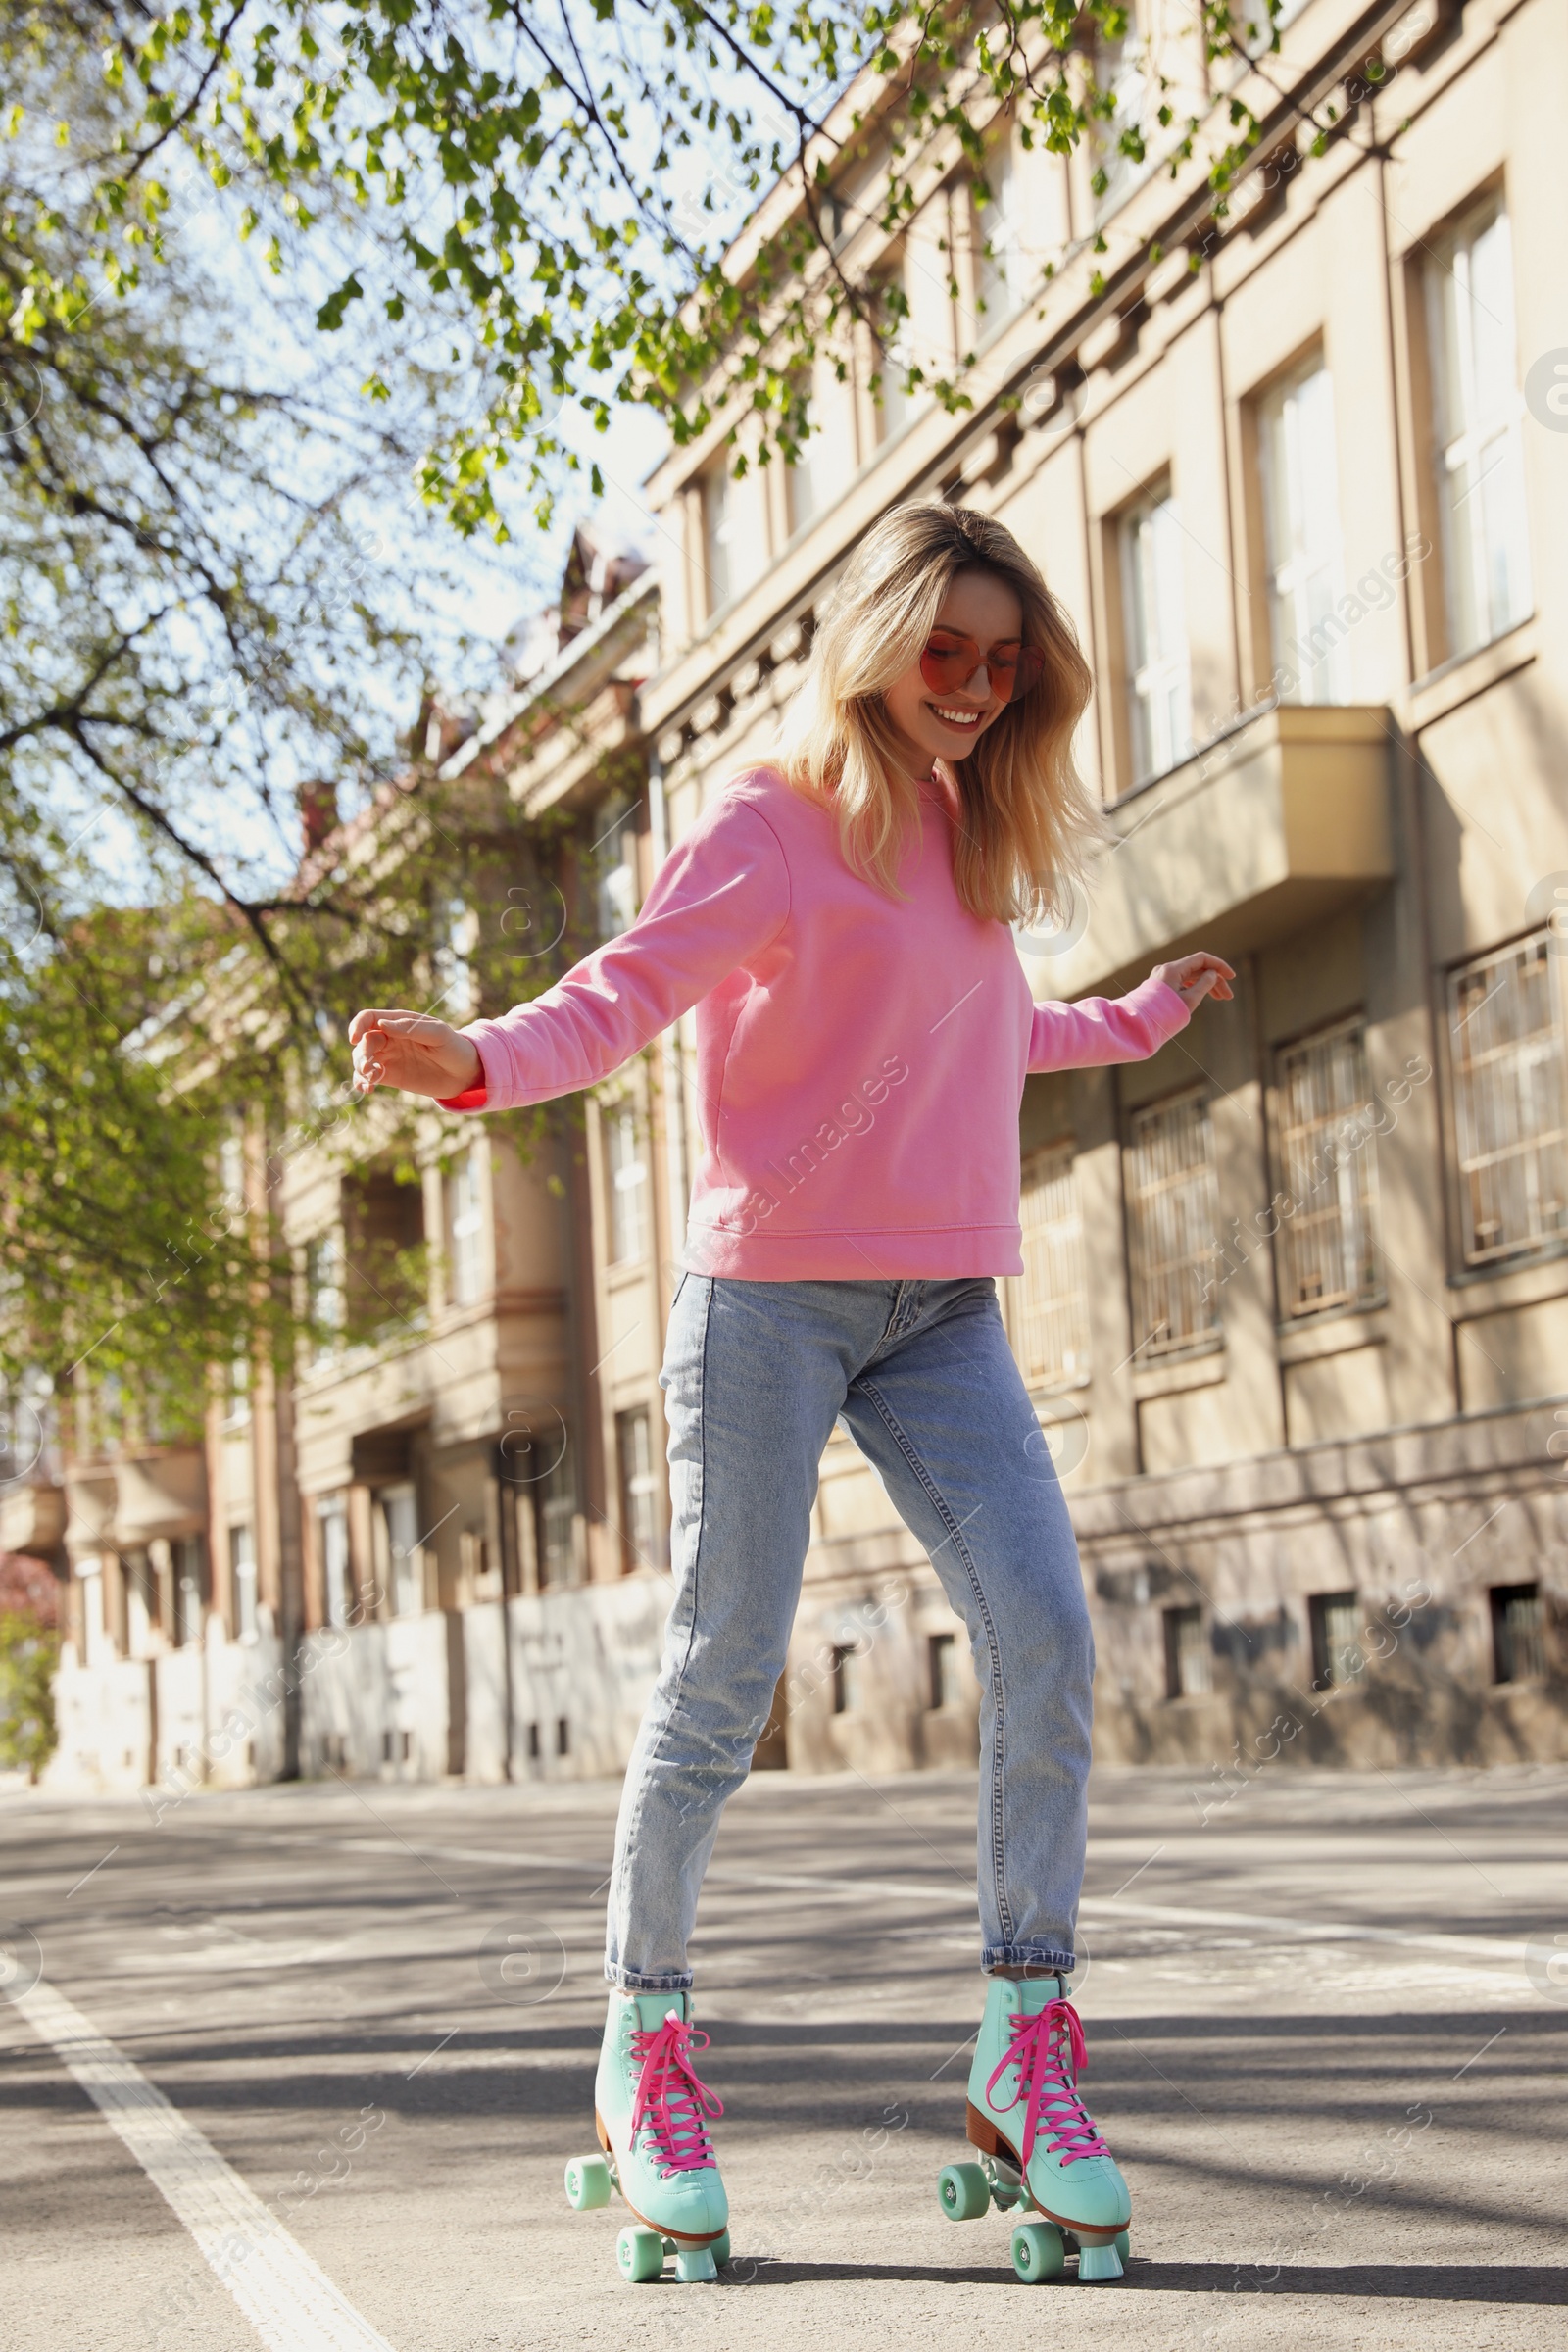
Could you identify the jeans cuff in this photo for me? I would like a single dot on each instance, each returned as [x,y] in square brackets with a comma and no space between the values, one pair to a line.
[1041,1959]
[628,1981]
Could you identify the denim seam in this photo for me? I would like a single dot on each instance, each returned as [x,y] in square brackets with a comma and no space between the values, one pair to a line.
[999,1741]
[634,1826]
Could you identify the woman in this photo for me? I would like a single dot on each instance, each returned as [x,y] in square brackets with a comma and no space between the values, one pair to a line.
[841,921]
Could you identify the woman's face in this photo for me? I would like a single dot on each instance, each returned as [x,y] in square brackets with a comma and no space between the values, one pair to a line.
[946,726]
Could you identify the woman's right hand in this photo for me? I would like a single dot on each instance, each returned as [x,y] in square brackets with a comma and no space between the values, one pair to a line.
[414,1053]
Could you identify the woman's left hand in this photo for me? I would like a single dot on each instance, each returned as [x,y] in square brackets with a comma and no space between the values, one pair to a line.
[1195,977]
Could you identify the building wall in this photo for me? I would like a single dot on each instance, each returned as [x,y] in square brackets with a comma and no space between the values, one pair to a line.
[1403,1450]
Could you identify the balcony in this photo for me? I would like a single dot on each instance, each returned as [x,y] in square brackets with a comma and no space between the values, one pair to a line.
[1279,823]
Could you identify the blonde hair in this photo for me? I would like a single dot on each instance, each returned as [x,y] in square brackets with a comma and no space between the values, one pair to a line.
[1026,820]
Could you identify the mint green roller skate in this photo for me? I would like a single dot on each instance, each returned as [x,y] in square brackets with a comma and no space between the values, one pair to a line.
[1039,2155]
[650,2113]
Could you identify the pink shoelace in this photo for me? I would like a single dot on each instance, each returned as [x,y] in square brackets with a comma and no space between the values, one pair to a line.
[670,2099]
[1049,2052]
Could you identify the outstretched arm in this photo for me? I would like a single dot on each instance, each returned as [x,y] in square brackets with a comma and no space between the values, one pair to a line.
[722,894]
[1108,1029]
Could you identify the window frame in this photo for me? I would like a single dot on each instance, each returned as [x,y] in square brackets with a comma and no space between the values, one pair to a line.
[1449,448]
[1150,675]
[1327,681]
[466,1266]
[1209,1340]
[637,1486]
[1373,1292]
[615,1119]
[1471,1264]
[1070,1306]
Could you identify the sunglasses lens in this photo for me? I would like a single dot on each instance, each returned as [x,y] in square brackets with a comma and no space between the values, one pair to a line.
[1027,664]
[948,662]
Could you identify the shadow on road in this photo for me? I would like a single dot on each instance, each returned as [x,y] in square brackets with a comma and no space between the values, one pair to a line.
[1414,2282]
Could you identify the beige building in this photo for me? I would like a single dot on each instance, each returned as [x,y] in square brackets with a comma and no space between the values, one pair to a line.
[1296,1308]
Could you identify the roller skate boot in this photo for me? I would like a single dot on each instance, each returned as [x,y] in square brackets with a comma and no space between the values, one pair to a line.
[652,2111]
[1040,2154]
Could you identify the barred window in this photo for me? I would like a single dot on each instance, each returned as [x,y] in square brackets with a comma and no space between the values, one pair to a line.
[1327,1248]
[1506,1030]
[1173,1209]
[1047,1303]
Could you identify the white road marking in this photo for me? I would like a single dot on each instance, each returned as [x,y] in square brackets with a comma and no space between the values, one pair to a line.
[287,2297]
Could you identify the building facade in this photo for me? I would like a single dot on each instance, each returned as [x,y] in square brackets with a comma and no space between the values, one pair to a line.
[1294,1311]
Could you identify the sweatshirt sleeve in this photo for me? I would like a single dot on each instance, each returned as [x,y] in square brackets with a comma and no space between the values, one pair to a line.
[722,894]
[1103,1029]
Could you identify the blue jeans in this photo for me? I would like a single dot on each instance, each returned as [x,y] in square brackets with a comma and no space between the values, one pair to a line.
[757,1374]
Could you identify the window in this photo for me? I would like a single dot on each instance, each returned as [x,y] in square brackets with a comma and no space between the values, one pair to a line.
[1174,1204]
[719,569]
[639,1488]
[558,1524]
[1327,1245]
[1301,539]
[804,483]
[942,1653]
[237,1387]
[1476,409]
[846,1679]
[614,857]
[457,935]
[1518,1633]
[333,1521]
[1505,1027]
[323,1285]
[562,1736]
[1188,1672]
[466,1229]
[1160,687]
[1000,267]
[626,1177]
[400,1519]
[188,1556]
[1122,73]
[891,358]
[1337,1656]
[1048,1301]
[242,1570]
[385,1284]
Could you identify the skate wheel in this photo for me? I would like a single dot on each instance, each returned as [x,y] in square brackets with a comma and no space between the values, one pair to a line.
[640,2253]
[1038,2252]
[587,2184]
[1098,2263]
[720,2249]
[964,2191]
[695,2266]
[1124,2247]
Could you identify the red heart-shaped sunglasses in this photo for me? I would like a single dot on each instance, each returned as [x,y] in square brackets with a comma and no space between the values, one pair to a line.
[949,660]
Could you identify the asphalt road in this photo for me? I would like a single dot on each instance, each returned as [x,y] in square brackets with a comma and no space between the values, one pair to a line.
[1326,2041]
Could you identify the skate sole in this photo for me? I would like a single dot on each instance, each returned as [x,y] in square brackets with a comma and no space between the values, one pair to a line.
[982,2133]
[677,2237]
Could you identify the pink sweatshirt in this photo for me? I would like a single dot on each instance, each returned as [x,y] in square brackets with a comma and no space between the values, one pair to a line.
[859,1061]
